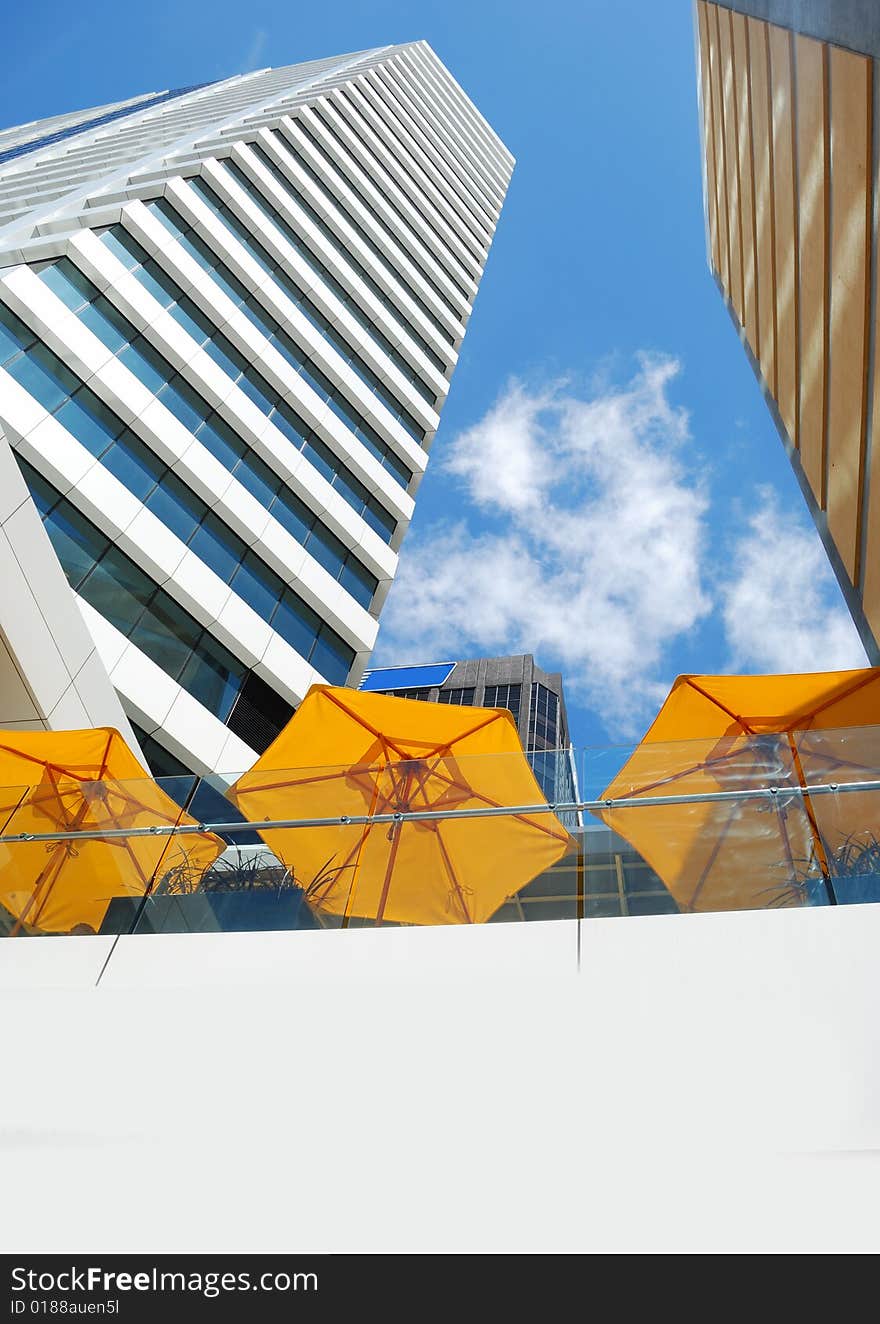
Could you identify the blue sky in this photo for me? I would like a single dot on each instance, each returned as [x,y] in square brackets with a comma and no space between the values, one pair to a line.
[606,490]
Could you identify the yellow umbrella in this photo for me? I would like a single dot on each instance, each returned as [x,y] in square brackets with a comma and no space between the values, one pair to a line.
[86,783]
[401,756]
[740,733]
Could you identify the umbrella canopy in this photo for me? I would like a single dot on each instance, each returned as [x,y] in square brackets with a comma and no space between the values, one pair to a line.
[86,783]
[738,733]
[390,756]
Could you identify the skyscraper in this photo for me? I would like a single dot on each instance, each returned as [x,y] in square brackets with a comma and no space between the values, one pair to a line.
[789,121]
[228,319]
[534,697]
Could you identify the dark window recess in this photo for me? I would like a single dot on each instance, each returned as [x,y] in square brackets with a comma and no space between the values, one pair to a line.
[503,696]
[462,697]
[258,713]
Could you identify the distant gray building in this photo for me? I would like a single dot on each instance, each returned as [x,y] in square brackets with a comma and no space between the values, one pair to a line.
[534,697]
[606,877]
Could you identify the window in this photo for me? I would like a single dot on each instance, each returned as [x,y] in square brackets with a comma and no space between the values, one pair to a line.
[213,676]
[268,400]
[310,310]
[287,149]
[352,183]
[459,696]
[543,718]
[424,694]
[43,376]
[14,335]
[166,634]
[152,482]
[89,420]
[321,269]
[119,588]
[503,696]
[259,714]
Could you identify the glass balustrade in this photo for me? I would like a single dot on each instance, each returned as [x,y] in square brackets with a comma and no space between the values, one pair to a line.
[773,821]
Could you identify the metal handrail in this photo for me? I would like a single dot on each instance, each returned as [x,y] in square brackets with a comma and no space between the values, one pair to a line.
[770,793]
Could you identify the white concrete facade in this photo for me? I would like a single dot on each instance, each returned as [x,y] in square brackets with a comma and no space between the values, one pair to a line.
[677,1083]
[257,290]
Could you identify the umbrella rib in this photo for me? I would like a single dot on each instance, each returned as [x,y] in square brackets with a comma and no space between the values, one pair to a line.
[723,706]
[845,693]
[368,726]
[493,804]
[290,781]
[495,715]
[104,756]
[707,765]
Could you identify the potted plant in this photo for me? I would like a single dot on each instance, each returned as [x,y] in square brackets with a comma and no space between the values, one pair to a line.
[246,889]
[853,873]
[855,868]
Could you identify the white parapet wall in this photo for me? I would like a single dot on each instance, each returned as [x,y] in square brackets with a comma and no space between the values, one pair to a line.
[679,1083]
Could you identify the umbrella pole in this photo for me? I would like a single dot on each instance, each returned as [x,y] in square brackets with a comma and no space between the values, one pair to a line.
[56,863]
[389,869]
[56,859]
[456,885]
[349,900]
[403,800]
[818,844]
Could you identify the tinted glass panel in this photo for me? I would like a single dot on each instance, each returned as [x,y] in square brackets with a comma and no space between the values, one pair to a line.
[43,495]
[158,284]
[43,378]
[146,365]
[89,421]
[255,390]
[68,282]
[184,403]
[291,520]
[134,465]
[193,321]
[258,585]
[213,676]
[14,335]
[222,442]
[218,547]
[259,480]
[297,622]
[288,423]
[76,542]
[166,634]
[359,583]
[108,325]
[176,506]
[332,658]
[117,589]
[123,247]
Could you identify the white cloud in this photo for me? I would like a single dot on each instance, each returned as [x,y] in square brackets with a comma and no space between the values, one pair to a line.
[500,459]
[781,608]
[588,549]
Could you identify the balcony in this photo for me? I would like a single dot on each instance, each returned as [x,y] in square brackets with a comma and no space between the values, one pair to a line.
[762,822]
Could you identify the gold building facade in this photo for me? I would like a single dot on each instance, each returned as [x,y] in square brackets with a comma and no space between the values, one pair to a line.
[790,181]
